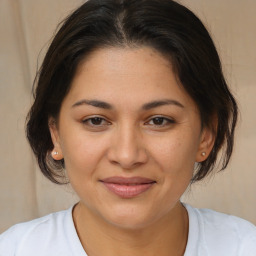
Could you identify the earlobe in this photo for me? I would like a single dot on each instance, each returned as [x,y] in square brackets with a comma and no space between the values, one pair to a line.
[56,155]
[56,152]
[207,140]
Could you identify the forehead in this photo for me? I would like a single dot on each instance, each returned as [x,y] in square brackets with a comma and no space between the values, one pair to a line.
[133,75]
[124,57]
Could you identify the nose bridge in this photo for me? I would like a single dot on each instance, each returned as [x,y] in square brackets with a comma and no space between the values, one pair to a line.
[127,148]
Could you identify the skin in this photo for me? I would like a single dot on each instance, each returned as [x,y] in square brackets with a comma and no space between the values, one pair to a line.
[129,141]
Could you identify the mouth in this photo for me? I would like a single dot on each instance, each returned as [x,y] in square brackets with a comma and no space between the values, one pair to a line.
[128,187]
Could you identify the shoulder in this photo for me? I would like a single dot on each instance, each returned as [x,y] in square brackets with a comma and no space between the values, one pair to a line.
[23,237]
[223,233]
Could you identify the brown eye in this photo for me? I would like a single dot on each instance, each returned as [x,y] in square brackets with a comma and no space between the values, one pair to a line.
[160,121]
[95,121]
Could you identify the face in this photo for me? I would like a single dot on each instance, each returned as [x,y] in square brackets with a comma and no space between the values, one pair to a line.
[129,135]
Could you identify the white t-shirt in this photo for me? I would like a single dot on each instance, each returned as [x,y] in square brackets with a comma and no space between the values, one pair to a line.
[210,234]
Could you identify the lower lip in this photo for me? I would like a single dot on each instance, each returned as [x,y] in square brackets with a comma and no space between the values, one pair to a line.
[128,191]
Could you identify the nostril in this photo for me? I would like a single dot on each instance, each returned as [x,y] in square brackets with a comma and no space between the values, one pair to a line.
[127,151]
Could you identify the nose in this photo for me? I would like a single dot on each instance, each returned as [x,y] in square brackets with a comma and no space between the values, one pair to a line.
[127,148]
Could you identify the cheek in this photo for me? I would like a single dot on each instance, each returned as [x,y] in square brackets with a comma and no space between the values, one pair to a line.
[175,153]
[81,155]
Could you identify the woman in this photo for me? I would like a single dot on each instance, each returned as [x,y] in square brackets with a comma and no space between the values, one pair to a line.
[131,107]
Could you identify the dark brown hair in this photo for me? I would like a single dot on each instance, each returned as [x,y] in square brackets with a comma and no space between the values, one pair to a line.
[171,29]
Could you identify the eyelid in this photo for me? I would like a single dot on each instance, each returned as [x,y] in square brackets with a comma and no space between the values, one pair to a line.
[85,121]
[168,119]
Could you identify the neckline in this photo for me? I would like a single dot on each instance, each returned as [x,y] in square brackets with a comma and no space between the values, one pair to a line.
[193,231]
[192,241]
[73,238]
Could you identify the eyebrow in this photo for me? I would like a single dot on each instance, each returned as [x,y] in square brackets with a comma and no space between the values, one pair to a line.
[146,106]
[158,103]
[94,103]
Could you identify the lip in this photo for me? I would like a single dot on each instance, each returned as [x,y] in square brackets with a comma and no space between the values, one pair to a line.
[128,187]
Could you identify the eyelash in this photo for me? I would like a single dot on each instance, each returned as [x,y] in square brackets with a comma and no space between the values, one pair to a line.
[168,121]
[88,121]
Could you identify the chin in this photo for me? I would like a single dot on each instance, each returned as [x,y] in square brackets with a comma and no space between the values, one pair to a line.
[130,218]
[129,224]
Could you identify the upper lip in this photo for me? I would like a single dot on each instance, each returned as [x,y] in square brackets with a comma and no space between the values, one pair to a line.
[128,180]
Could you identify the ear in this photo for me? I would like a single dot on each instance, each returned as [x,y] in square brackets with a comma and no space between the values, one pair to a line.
[56,152]
[206,144]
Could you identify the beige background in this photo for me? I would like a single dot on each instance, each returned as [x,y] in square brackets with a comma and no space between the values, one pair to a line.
[25,29]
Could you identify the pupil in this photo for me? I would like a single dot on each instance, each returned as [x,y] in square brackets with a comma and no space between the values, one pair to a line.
[96,120]
[158,120]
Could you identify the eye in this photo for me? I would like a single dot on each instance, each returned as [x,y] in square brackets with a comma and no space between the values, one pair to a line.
[95,121]
[160,121]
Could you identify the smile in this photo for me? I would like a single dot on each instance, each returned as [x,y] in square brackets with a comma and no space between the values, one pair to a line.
[128,187]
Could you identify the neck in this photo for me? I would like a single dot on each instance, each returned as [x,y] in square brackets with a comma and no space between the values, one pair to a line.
[167,236]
